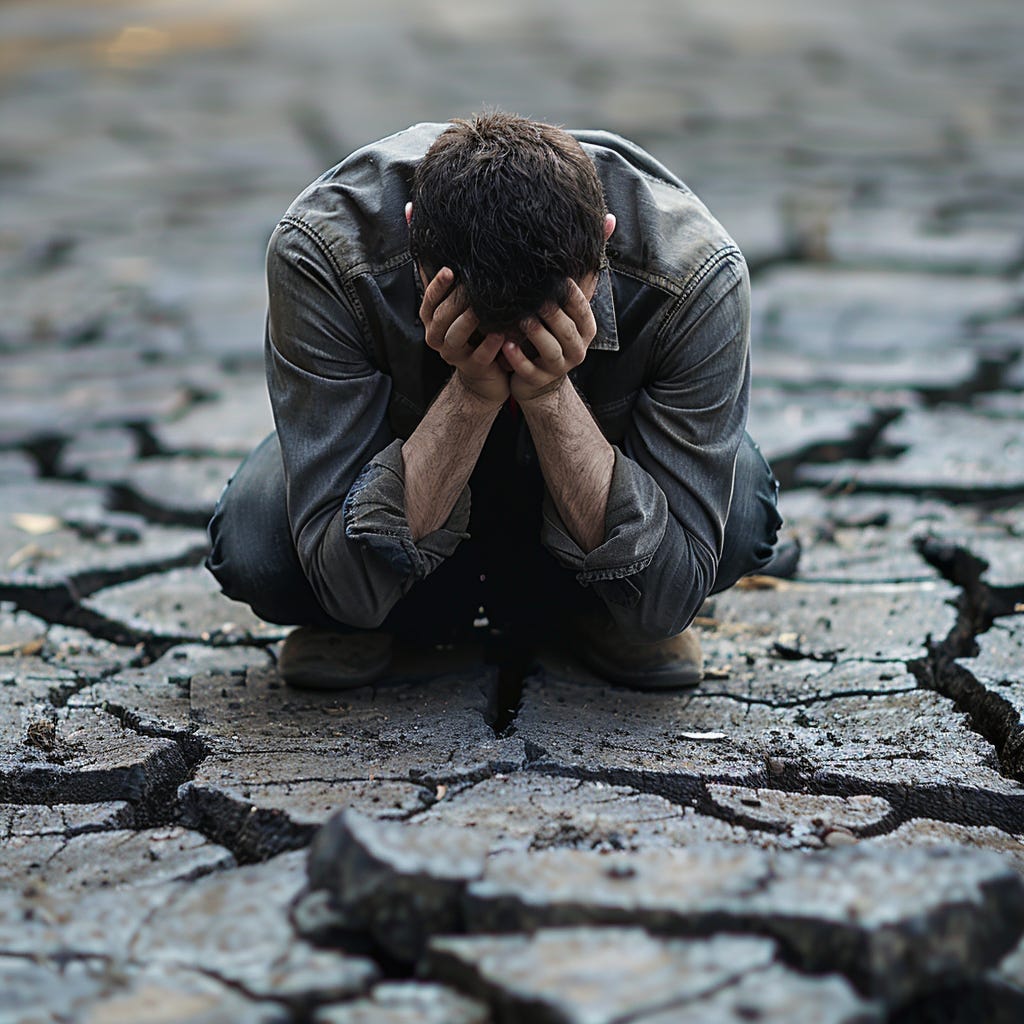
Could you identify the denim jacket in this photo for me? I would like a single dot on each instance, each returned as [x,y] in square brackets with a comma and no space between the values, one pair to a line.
[350,377]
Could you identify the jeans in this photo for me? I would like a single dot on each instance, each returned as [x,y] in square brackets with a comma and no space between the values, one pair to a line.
[518,587]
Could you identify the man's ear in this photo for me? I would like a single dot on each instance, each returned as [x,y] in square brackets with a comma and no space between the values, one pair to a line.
[609,222]
[408,215]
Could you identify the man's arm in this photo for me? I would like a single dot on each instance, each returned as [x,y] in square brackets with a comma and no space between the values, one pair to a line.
[442,451]
[344,468]
[575,458]
[662,516]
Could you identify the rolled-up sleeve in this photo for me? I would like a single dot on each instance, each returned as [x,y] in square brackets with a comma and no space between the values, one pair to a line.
[673,476]
[342,463]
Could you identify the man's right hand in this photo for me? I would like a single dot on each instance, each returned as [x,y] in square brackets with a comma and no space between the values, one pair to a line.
[450,326]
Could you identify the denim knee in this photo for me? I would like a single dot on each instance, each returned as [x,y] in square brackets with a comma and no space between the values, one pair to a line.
[752,528]
[252,555]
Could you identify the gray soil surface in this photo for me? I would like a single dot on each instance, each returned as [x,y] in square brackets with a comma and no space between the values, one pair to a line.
[830,828]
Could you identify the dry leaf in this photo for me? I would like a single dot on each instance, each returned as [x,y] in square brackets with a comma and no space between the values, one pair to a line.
[23,649]
[36,523]
[762,583]
[29,553]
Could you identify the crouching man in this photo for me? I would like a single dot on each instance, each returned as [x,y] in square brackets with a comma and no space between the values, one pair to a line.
[509,372]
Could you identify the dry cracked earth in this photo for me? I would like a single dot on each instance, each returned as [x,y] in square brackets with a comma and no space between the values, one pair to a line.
[830,829]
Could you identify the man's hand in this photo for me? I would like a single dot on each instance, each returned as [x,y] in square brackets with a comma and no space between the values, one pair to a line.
[561,337]
[450,327]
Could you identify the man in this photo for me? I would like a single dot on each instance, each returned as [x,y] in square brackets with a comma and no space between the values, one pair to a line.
[509,372]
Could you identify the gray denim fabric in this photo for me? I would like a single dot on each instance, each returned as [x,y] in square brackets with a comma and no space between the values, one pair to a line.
[350,377]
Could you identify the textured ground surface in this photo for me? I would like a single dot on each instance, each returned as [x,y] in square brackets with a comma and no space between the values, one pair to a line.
[831,828]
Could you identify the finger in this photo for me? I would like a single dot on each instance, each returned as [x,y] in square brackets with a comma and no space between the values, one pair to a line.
[549,348]
[452,306]
[563,329]
[456,337]
[577,306]
[523,366]
[488,350]
[435,293]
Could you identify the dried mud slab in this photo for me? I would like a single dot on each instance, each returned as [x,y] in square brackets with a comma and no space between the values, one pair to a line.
[57,542]
[397,1002]
[47,392]
[832,820]
[230,423]
[849,729]
[869,538]
[154,699]
[120,857]
[84,757]
[991,686]
[895,923]
[282,760]
[922,832]
[892,921]
[856,622]
[901,238]
[184,606]
[263,958]
[792,427]
[950,453]
[889,327]
[175,489]
[527,811]
[606,975]
[177,945]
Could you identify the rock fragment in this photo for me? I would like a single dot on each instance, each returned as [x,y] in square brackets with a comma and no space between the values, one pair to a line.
[402,883]
[262,958]
[800,814]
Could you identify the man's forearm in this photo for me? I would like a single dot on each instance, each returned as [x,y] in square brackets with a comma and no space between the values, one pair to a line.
[576,460]
[440,454]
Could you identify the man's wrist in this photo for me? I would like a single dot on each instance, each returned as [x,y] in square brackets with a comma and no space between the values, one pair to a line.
[550,394]
[474,399]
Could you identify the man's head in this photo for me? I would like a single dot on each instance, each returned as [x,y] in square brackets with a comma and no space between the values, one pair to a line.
[514,207]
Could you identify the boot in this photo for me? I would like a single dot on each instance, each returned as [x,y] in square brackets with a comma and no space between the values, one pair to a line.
[314,658]
[671,664]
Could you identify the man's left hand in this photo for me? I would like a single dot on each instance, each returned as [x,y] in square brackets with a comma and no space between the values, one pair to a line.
[561,336]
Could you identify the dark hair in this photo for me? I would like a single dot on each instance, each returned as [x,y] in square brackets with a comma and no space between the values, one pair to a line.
[514,207]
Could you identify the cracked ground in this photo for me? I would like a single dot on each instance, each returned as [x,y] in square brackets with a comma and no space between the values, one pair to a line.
[829,829]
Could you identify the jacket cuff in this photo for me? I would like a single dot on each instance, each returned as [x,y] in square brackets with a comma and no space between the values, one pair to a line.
[635,523]
[374,516]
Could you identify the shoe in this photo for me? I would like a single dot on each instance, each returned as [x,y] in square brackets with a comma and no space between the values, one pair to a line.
[314,658]
[784,561]
[672,664]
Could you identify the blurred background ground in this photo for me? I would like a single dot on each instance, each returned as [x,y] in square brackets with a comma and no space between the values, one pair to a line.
[868,158]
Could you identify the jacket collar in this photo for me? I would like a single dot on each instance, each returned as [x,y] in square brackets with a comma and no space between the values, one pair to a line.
[603,305]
